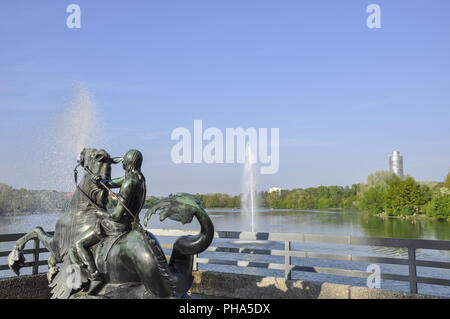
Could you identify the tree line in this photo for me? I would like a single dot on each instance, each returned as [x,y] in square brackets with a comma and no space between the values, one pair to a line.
[22,201]
[386,193]
[17,201]
[382,193]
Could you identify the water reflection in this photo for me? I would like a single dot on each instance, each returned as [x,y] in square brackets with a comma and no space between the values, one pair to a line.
[373,226]
[340,223]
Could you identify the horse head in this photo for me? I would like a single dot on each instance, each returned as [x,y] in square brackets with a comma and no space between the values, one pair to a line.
[98,162]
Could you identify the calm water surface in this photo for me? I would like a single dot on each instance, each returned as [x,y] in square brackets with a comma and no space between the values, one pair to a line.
[343,223]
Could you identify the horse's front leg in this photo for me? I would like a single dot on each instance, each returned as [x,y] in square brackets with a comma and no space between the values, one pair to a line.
[52,268]
[16,259]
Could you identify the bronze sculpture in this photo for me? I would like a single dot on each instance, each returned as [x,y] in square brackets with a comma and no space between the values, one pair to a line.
[129,260]
[132,194]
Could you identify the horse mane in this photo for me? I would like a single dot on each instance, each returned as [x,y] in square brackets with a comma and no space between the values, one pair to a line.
[78,217]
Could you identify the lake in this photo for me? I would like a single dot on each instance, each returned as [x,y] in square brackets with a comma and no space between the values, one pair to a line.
[341,223]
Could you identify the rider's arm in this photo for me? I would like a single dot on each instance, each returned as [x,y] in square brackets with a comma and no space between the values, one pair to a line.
[125,195]
[110,183]
[115,182]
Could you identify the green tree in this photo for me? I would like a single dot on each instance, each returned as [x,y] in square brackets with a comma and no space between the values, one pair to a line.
[380,179]
[404,197]
[323,203]
[447,181]
[439,206]
[372,201]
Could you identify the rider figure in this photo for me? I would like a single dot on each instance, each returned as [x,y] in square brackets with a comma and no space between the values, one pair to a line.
[132,195]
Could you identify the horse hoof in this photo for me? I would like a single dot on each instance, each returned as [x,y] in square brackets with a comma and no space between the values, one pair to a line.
[16,260]
[94,287]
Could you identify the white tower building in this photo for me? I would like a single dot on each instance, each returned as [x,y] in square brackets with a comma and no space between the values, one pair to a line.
[396,163]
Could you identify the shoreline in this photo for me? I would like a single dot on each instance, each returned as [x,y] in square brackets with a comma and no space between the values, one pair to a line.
[421,217]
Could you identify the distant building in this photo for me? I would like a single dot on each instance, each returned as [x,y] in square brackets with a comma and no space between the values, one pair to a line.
[396,163]
[275,190]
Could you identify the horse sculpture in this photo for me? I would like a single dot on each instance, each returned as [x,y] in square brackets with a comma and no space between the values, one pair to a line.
[133,263]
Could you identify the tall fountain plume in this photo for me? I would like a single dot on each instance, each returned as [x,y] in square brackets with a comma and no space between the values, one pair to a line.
[73,129]
[248,199]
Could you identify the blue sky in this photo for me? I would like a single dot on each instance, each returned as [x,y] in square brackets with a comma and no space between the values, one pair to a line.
[343,96]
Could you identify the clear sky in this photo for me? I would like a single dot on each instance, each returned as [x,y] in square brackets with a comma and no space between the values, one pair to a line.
[343,96]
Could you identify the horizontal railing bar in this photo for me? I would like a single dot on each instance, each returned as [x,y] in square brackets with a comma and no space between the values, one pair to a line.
[10,237]
[235,250]
[348,273]
[381,260]
[433,281]
[318,270]
[345,257]
[401,242]
[172,232]
[274,252]
[313,238]
[25,252]
[432,264]
[240,263]
[13,237]
[26,265]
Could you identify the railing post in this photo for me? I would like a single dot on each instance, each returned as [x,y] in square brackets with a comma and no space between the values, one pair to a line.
[195,263]
[36,257]
[412,270]
[287,260]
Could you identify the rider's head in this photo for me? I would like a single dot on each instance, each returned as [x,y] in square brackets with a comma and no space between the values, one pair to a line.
[132,160]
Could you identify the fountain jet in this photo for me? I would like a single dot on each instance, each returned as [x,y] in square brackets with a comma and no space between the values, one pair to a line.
[248,199]
[73,129]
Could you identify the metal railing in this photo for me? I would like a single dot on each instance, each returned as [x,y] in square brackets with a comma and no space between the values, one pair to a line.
[288,252]
[35,251]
